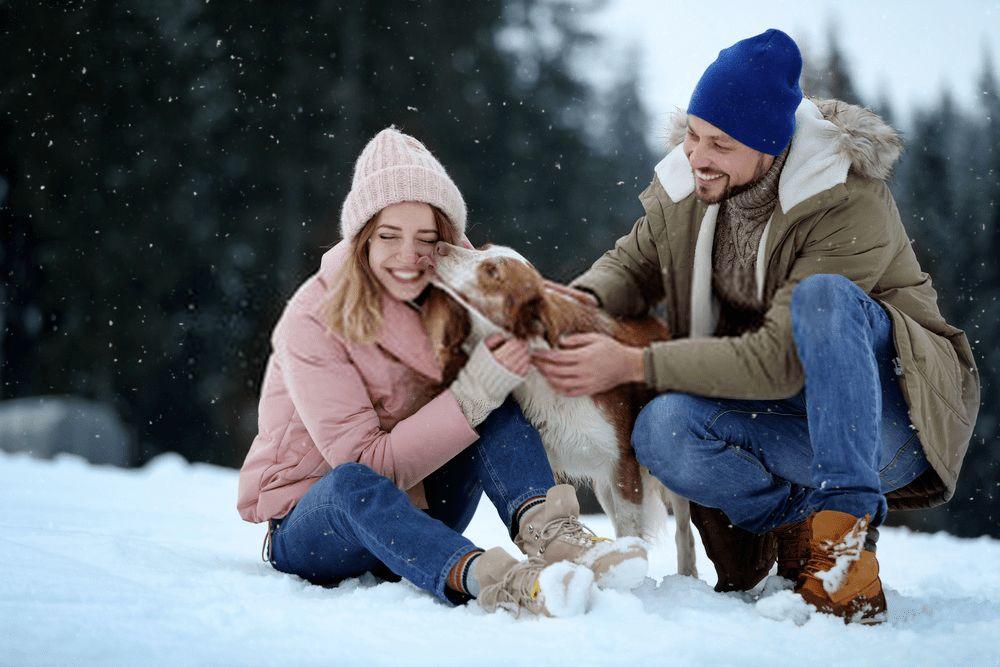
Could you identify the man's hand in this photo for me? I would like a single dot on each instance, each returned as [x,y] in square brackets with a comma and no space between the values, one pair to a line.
[585,298]
[589,363]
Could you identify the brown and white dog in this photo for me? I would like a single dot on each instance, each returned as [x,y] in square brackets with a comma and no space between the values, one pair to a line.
[586,438]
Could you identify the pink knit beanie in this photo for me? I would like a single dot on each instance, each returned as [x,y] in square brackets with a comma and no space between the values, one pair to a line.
[393,168]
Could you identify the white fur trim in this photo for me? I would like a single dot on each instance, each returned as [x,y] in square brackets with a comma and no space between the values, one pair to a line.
[759,267]
[674,172]
[704,306]
[815,162]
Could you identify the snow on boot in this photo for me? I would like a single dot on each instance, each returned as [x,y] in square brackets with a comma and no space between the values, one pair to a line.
[793,548]
[531,585]
[840,577]
[552,531]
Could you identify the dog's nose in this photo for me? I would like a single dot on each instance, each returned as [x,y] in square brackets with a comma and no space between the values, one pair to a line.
[425,262]
[441,248]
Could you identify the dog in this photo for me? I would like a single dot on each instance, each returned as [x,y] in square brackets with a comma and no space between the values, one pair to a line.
[495,289]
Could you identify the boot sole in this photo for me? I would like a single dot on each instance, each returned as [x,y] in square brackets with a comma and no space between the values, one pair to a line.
[868,609]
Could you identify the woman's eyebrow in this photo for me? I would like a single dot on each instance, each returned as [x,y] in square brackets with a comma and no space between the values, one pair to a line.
[399,229]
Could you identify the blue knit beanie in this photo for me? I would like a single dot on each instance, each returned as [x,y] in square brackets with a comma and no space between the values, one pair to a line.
[751,91]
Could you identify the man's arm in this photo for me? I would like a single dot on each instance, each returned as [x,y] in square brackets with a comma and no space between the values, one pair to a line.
[851,240]
[627,279]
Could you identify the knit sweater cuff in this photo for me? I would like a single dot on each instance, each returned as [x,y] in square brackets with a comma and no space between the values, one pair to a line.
[482,385]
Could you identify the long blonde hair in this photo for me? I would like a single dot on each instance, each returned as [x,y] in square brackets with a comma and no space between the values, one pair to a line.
[354,310]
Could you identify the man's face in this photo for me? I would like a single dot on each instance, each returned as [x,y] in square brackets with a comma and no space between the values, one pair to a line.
[722,166]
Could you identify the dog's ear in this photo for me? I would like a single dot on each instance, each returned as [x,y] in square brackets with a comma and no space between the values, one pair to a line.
[553,322]
[526,316]
[447,325]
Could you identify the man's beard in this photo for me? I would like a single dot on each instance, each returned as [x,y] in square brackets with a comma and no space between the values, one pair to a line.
[759,172]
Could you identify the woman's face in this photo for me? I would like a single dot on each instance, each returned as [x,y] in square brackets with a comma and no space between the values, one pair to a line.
[404,233]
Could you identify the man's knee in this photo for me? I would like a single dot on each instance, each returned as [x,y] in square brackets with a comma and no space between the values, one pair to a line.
[823,292]
[820,304]
[665,437]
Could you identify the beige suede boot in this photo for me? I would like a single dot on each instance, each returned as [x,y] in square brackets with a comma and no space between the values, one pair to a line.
[552,531]
[531,585]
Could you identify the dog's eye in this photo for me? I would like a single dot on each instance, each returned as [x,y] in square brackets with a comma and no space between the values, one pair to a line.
[492,271]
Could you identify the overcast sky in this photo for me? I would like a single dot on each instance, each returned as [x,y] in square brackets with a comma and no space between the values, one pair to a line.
[911,50]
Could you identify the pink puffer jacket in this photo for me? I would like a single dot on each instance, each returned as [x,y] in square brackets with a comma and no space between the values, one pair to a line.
[326,401]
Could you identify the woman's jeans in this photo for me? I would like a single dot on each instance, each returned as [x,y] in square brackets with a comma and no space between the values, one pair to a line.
[354,520]
[840,444]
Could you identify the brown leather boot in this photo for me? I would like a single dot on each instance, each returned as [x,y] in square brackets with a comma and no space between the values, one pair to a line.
[840,577]
[793,547]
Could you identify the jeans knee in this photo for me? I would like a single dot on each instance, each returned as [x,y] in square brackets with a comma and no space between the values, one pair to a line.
[820,304]
[507,419]
[348,478]
[662,436]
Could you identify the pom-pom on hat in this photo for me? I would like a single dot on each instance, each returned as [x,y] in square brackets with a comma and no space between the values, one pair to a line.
[393,168]
[751,91]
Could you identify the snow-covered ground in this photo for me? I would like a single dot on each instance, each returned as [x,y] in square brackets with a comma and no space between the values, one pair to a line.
[103,565]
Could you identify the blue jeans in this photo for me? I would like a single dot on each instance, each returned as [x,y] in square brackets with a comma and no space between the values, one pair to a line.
[840,444]
[355,520]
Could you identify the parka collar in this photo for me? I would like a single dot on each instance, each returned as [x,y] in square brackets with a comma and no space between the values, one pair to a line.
[830,139]
[403,335]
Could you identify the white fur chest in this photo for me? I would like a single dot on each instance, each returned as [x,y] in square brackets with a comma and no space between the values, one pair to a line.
[578,438]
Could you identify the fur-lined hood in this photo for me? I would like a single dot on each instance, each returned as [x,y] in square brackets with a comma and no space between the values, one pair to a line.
[831,138]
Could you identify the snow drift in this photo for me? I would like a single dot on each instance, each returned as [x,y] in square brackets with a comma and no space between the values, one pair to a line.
[104,565]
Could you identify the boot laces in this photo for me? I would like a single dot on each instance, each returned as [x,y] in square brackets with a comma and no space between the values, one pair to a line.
[519,587]
[825,556]
[569,529]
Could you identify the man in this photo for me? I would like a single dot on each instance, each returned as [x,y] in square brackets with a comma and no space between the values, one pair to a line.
[812,383]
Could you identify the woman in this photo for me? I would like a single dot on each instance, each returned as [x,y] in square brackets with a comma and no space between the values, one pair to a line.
[362,464]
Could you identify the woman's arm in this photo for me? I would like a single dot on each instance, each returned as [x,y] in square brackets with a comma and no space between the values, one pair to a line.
[332,400]
[495,368]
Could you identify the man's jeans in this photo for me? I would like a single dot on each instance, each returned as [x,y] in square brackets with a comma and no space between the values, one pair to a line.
[354,520]
[840,444]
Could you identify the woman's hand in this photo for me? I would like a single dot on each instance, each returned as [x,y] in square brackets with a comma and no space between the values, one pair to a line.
[495,368]
[511,353]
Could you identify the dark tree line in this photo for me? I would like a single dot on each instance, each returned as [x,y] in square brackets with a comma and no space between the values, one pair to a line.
[170,171]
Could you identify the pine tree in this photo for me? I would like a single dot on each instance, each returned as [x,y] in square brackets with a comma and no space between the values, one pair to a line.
[827,76]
